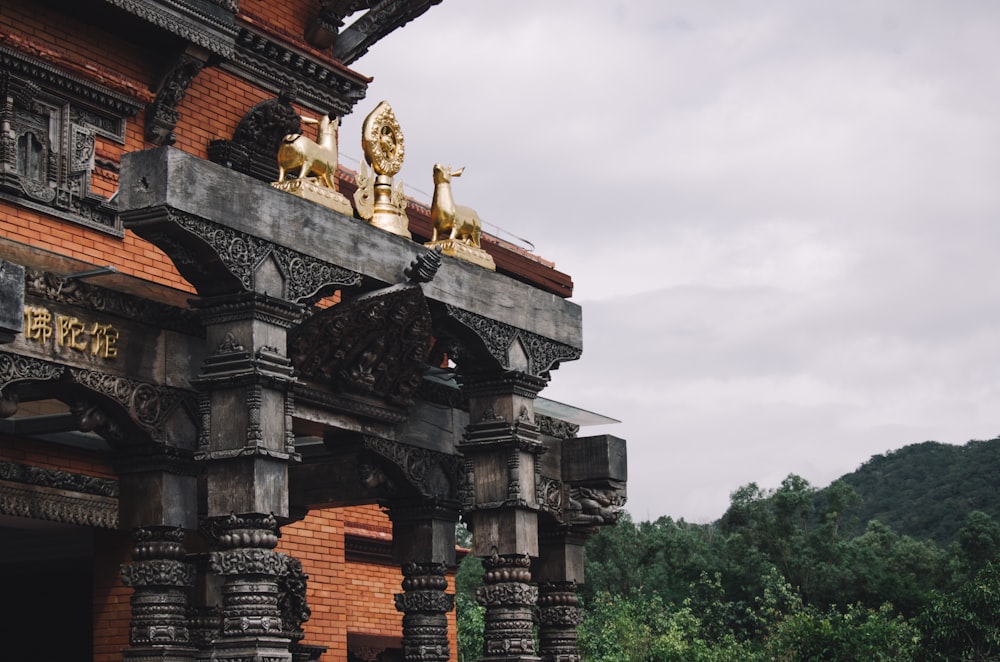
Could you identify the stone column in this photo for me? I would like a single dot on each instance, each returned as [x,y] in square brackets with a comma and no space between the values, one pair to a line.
[161,580]
[500,502]
[246,445]
[423,542]
[252,628]
[558,571]
[158,502]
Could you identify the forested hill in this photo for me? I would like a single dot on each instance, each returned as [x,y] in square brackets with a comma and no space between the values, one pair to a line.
[925,490]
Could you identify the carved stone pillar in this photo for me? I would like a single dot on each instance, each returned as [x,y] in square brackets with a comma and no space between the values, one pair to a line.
[161,580]
[425,606]
[423,542]
[251,570]
[559,614]
[509,599]
[246,444]
[500,502]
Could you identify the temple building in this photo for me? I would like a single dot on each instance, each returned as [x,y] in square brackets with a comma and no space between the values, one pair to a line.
[246,395]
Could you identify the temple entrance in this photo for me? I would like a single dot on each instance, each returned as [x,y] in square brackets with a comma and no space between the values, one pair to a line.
[46,574]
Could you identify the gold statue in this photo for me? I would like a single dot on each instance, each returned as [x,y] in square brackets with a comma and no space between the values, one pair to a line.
[461,225]
[379,200]
[312,157]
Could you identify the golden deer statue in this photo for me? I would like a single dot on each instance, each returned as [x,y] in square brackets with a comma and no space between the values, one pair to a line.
[311,157]
[457,221]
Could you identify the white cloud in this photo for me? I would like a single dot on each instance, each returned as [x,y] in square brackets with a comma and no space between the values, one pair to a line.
[780,216]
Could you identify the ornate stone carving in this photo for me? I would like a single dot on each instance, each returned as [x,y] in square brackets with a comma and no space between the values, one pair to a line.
[373,346]
[292,597]
[189,22]
[559,614]
[162,114]
[160,578]
[554,427]
[425,604]
[17,368]
[383,18]
[148,406]
[509,600]
[253,574]
[270,62]
[595,505]
[498,339]
[304,276]
[55,505]
[59,480]
[432,474]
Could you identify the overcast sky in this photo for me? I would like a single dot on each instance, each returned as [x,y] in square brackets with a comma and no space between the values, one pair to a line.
[782,218]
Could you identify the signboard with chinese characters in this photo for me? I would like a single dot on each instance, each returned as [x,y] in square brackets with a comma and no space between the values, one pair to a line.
[96,339]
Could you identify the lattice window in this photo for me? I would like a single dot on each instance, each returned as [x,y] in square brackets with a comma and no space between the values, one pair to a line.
[51,121]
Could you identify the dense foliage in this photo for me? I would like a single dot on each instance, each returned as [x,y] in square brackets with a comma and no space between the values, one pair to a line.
[797,573]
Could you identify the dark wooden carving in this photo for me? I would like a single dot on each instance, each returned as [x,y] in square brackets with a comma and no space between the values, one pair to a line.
[375,346]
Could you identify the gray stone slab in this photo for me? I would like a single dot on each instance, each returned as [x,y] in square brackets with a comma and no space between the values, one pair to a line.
[168,178]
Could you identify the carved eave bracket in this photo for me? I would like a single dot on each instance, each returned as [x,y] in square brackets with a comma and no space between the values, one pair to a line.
[482,344]
[383,17]
[429,474]
[219,260]
[125,412]
[373,348]
[162,115]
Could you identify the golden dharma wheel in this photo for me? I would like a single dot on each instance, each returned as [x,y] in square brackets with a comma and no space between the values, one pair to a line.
[382,140]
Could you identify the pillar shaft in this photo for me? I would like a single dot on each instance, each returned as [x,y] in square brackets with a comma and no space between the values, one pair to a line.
[161,581]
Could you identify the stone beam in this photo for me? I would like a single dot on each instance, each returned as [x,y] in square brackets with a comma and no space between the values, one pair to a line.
[163,181]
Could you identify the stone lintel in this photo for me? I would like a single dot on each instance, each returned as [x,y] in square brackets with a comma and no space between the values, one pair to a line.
[164,180]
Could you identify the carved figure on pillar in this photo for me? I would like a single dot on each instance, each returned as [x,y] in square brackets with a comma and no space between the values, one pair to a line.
[162,581]
[425,606]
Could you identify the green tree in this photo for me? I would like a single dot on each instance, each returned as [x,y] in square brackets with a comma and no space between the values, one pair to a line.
[856,633]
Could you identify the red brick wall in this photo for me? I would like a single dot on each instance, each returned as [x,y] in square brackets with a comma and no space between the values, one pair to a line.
[348,596]
[355,597]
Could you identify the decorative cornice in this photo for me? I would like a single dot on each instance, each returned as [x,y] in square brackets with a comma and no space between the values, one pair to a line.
[359,406]
[272,64]
[57,505]
[58,480]
[213,31]
[68,84]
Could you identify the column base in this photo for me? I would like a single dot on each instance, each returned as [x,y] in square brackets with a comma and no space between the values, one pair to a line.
[160,654]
